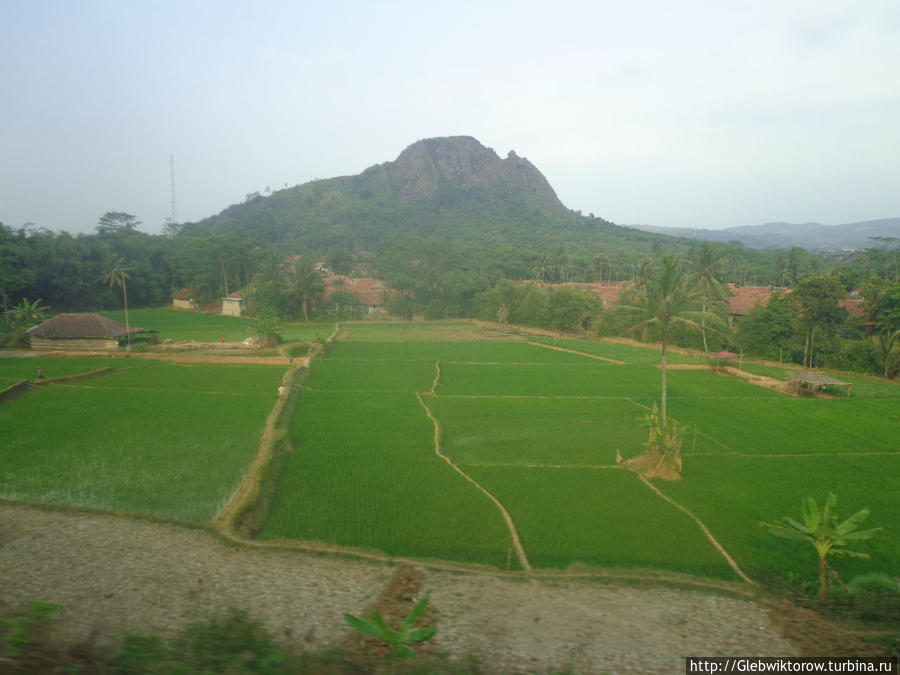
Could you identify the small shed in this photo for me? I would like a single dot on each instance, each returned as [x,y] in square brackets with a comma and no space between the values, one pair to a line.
[184,299]
[233,304]
[816,382]
[83,331]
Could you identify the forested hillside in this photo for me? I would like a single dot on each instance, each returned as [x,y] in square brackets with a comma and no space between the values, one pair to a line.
[453,188]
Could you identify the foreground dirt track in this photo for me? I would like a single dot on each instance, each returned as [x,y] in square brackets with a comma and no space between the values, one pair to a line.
[115,575]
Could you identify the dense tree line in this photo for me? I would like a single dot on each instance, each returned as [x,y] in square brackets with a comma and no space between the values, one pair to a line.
[436,278]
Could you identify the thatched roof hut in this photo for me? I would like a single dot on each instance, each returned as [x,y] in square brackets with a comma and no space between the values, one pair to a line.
[82,331]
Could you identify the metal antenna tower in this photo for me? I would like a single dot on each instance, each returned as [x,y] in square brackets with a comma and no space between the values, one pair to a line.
[173,218]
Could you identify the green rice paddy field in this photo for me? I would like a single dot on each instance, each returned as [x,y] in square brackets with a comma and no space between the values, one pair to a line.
[149,437]
[537,427]
[179,324]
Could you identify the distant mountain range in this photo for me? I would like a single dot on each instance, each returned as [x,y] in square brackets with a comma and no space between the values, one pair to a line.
[811,236]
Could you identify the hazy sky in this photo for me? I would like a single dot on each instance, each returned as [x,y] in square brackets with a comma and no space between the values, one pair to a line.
[708,113]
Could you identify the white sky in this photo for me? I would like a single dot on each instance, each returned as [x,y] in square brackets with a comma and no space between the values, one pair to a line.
[711,113]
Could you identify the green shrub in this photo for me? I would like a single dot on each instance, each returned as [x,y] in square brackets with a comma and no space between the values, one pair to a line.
[873,584]
[298,349]
[18,633]
[235,644]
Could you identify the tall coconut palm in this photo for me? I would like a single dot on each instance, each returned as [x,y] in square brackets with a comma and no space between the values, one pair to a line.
[665,298]
[542,269]
[825,533]
[305,286]
[705,277]
[116,274]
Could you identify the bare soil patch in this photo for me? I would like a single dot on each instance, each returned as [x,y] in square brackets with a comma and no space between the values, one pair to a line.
[116,574]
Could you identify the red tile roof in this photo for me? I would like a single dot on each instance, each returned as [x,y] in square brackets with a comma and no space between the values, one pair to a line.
[183,294]
[369,292]
[744,298]
[741,299]
[854,307]
[609,291]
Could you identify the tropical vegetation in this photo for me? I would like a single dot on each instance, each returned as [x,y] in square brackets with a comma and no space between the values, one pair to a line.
[828,536]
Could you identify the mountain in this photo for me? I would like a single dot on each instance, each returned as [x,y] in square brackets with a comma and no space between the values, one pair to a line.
[811,236]
[452,188]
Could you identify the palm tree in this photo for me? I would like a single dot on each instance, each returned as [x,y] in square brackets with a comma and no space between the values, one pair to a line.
[305,287]
[116,274]
[705,277]
[822,530]
[665,298]
[562,260]
[542,269]
[887,351]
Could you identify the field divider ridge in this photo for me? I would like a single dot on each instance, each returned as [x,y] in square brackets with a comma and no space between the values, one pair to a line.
[575,351]
[437,377]
[248,490]
[15,390]
[24,386]
[517,544]
[709,535]
[547,466]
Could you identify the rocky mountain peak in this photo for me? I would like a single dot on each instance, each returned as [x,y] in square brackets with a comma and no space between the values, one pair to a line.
[461,162]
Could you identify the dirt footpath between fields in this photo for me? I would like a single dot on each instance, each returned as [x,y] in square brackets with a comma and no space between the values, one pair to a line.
[116,574]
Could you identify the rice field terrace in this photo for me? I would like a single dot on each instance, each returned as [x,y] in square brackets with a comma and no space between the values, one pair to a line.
[148,437]
[469,443]
[538,424]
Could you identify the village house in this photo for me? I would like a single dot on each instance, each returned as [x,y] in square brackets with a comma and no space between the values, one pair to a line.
[740,299]
[233,304]
[370,293]
[84,331]
[184,299]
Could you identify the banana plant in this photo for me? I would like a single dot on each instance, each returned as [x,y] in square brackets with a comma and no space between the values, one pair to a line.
[398,641]
[822,529]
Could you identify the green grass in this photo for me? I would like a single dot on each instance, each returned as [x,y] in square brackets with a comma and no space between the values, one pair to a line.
[364,474]
[602,517]
[793,426]
[733,494]
[586,378]
[150,438]
[183,325]
[306,332]
[484,352]
[629,352]
[521,431]
[371,376]
[409,331]
[26,368]
[864,386]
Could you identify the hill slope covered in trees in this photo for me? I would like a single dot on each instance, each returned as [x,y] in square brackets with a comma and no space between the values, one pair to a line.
[453,188]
